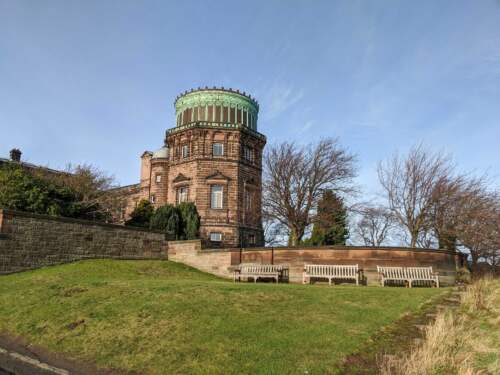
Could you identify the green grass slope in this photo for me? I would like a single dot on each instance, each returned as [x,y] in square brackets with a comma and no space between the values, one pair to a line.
[159,317]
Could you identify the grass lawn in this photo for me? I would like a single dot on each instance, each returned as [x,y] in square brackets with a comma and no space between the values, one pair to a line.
[159,317]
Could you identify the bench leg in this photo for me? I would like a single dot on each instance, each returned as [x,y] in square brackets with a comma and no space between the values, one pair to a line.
[357,280]
[330,281]
[409,283]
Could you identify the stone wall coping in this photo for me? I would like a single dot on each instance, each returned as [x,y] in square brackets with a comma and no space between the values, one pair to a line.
[74,221]
[180,242]
[329,248]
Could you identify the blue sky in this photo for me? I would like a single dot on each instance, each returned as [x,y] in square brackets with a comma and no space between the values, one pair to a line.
[94,81]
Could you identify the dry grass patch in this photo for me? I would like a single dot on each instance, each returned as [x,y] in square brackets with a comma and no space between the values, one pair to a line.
[465,341]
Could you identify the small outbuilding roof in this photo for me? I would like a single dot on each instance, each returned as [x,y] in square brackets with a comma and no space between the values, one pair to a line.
[162,153]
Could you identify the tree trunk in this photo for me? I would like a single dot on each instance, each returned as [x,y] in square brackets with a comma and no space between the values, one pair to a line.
[414,238]
[474,258]
[295,236]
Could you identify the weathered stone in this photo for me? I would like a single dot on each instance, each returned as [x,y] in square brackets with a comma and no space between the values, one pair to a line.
[222,261]
[30,241]
[187,161]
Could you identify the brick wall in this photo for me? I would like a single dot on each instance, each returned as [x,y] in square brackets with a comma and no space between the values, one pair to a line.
[222,262]
[30,241]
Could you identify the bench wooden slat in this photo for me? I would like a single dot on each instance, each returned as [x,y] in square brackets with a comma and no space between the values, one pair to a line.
[407,274]
[259,270]
[331,271]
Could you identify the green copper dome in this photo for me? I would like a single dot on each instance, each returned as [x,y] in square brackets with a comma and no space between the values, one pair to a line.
[217,106]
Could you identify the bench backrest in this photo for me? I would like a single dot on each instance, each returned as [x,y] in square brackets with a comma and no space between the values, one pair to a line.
[419,272]
[405,272]
[331,270]
[392,272]
[260,268]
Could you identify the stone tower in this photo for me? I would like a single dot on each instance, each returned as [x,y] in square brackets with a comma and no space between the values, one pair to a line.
[213,157]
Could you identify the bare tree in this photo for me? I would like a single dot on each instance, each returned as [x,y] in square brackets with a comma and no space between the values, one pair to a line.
[274,232]
[94,188]
[451,197]
[295,177]
[478,226]
[374,225]
[409,185]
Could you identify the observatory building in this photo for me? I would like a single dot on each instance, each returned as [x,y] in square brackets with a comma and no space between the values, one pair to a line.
[213,158]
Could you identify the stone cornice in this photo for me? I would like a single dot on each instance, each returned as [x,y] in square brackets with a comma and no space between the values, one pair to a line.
[215,125]
[62,219]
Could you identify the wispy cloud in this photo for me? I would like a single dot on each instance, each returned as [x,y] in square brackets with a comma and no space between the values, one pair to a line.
[304,129]
[278,98]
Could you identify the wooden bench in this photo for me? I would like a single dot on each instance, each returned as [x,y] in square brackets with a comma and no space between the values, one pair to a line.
[255,271]
[407,274]
[330,272]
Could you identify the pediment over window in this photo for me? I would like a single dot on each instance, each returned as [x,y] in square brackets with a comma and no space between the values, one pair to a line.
[181,178]
[218,176]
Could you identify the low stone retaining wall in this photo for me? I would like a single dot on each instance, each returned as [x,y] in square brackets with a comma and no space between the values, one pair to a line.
[221,262]
[30,241]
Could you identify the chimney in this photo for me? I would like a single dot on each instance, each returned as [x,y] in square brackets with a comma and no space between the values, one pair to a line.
[15,154]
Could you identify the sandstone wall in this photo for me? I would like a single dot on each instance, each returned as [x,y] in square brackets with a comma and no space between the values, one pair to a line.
[217,262]
[222,262]
[30,241]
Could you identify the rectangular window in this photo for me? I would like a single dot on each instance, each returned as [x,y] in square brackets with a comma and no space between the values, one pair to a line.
[248,153]
[182,194]
[251,239]
[153,199]
[244,118]
[185,151]
[210,114]
[232,116]
[218,149]
[202,114]
[217,113]
[225,117]
[158,178]
[215,236]
[187,116]
[248,200]
[216,196]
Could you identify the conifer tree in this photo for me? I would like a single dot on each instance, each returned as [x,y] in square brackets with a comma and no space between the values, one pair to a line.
[167,218]
[330,224]
[190,220]
[142,214]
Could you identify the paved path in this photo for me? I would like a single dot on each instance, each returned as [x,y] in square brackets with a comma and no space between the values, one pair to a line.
[14,363]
